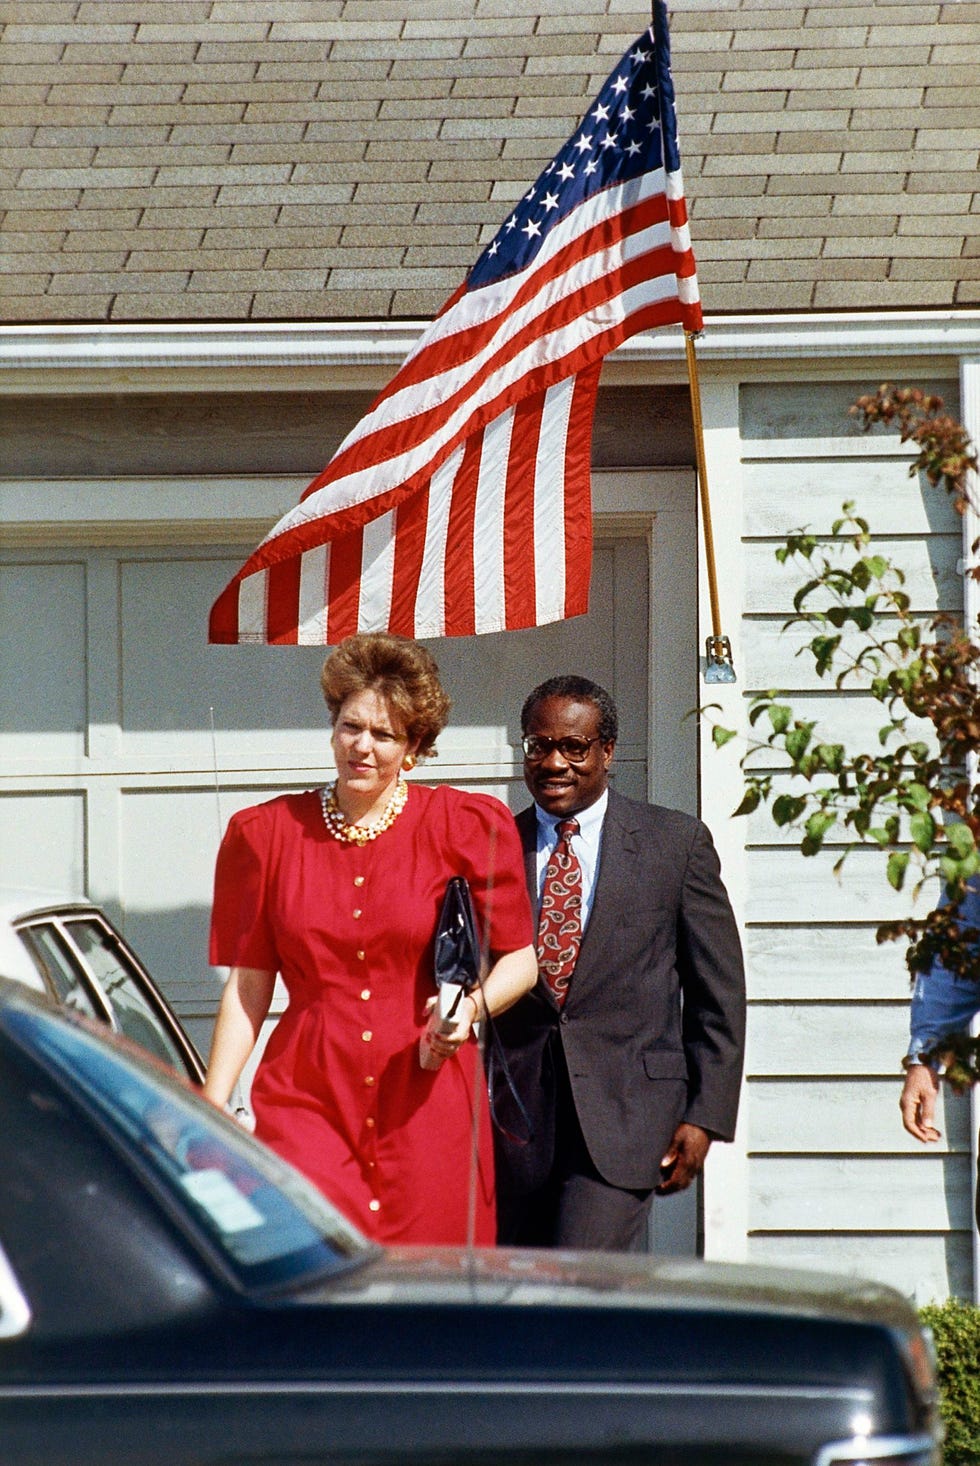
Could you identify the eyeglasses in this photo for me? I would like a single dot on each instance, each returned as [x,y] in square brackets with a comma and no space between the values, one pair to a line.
[572,750]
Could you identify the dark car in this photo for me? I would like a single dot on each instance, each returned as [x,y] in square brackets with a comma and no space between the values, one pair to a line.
[171,1294]
[68,948]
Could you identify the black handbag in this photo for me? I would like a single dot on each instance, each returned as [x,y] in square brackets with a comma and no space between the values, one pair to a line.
[459,958]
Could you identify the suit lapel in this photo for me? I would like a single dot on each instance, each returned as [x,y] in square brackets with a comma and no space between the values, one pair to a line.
[616,861]
[527,824]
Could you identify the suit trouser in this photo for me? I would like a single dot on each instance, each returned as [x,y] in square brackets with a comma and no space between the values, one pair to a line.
[575,1207]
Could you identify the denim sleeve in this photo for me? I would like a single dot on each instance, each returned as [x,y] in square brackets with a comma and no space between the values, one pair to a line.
[942,1003]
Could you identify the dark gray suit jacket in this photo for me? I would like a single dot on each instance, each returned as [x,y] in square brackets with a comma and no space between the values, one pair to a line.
[653,1026]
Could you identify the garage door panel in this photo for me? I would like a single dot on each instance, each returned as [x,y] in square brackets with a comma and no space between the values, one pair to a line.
[42,841]
[172,678]
[43,708]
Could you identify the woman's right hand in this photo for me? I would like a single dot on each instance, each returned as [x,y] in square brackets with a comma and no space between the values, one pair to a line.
[444,1037]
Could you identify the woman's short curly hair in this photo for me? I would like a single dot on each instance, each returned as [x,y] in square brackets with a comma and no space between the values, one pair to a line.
[399,670]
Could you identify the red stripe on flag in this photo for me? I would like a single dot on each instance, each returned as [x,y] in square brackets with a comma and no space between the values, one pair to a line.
[223,621]
[410,522]
[282,605]
[343,601]
[520,604]
[578,493]
[460,602]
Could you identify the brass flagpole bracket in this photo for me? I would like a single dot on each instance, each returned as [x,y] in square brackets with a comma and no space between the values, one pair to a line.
[719,666]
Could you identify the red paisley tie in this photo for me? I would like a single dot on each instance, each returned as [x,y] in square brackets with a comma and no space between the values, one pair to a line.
[560,924]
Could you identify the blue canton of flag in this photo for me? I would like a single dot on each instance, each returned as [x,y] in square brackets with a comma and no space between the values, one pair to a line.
[623,136]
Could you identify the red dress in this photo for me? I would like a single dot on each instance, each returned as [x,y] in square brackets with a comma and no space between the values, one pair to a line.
[339,1091]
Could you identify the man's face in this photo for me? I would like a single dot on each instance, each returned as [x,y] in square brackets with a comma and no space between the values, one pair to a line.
[557,783]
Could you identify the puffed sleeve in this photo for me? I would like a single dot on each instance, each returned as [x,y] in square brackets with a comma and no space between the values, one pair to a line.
[240,932]
[485,842]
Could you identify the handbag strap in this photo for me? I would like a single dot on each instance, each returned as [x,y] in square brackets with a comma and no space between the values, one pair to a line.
[495,1063]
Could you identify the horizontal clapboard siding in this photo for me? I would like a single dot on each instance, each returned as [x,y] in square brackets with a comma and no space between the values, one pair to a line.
[796,1116]
[940,1262]
[833,1179]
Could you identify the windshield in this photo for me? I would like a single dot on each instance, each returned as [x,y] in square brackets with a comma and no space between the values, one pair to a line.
[270,1225]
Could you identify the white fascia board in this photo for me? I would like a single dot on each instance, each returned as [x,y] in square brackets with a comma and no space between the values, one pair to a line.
[137,357]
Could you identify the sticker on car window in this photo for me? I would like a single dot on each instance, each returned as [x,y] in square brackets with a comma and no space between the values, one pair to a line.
[220,1198]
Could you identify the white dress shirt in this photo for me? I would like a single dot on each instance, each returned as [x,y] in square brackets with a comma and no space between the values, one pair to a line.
[587,845]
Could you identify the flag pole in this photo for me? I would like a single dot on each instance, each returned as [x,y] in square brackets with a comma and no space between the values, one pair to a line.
[718,652]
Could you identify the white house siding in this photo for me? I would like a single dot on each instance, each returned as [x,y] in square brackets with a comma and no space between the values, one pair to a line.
[831,1179]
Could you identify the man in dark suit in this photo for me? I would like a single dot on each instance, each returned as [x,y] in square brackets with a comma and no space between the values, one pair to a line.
[626,1057]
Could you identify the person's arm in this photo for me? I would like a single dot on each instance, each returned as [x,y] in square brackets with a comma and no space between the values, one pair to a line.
[709,955]
[941,1004]
[244,1007]
[511,976]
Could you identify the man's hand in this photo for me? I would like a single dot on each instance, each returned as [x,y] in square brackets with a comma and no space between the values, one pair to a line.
[684,1158]
[918,1102]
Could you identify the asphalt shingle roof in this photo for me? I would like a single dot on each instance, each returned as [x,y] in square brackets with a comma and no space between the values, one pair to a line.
[346,159]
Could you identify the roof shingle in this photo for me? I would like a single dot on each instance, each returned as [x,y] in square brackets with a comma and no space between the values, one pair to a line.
[345,159]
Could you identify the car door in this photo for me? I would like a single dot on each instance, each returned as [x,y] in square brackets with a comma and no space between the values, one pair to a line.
[90,968]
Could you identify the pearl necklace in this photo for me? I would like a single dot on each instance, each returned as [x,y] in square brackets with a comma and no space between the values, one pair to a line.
[335,822]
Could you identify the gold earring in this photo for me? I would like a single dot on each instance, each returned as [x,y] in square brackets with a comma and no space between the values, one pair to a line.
[408,762]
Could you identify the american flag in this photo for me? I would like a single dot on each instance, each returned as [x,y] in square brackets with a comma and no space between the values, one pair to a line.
[461,502]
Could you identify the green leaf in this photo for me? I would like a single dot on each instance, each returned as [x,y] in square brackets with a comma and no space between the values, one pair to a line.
[830,756]
[960,840]
[823,649]
[787,808]
[898,863]
[819,823]
[720,736]
[797,740]
[803,592]
[917,795]
[779,716]
[922,828]
[750,800]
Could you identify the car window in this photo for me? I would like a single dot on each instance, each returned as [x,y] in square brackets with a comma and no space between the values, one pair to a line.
[59,968]
[134,1014]
[268,1224]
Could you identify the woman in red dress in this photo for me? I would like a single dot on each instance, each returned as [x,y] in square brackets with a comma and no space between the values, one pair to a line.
[339,890]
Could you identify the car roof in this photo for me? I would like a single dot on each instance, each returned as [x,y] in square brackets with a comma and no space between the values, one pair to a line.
[17,901]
